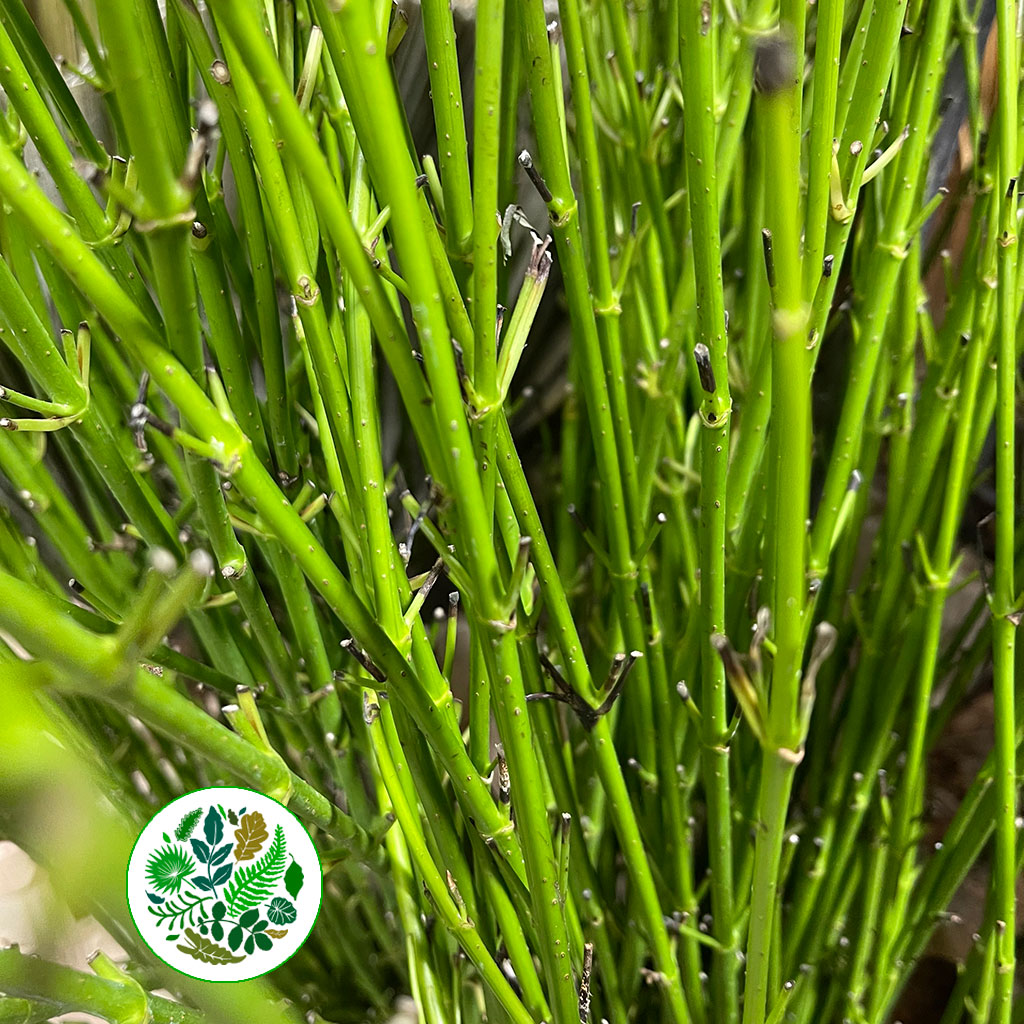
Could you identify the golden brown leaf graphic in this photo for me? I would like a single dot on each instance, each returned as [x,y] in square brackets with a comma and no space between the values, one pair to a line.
[208,951]
[277,933]
[251,835]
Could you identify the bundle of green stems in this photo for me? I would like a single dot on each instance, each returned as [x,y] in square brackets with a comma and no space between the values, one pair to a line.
[661,749]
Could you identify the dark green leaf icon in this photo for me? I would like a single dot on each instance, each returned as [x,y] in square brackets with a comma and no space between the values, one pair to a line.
[248,919]
[232,817]
[250,944]
[153,898]
[201,850]
[281,911]
[201,883]
[219,910]
[235,938]
[293,879]
[221,853]
[188,824]
[221,875]
[263,941]
[213,827]
[167,868]
[217,931]
[259,926]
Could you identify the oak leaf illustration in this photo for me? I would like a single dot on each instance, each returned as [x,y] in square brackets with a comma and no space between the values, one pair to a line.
[251,835]
[207,950]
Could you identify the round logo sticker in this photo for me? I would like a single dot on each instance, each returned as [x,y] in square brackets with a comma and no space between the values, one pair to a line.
[224,884]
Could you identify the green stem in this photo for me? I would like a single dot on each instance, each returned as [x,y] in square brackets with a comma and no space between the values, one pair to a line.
[462,215]
[697,58]
[790,445]
[1004,599]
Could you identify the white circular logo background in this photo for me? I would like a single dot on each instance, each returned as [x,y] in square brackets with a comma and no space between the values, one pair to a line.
[224,884]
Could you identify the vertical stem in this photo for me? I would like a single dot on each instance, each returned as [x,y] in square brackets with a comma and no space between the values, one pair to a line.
[823,118]
[487,111]
[697,57]
[1003,601]
[461,218]
[787,521]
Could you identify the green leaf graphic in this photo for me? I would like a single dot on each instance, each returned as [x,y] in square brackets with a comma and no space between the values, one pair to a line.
[167,868]
[175,914]
[187,824]
[281,911]
[222,874]
[207,950]
[293,879]
[254,883]
[213,827]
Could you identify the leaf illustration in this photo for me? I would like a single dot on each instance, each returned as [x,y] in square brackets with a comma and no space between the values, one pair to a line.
[154,898]
[277,933]
[200,882]
[293,879]
[201,850]
[221,853]
[232,817]
[253,884]
[167,867]
[235,938]
[262,941]
[281,911]
[213,827]
[250,944]
[175,912]
[207,950]
[221,875]
[188,824]
[251,836]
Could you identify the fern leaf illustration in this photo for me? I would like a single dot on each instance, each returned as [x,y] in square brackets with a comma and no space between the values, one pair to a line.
[254,883]
[188,824]
[175,914]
